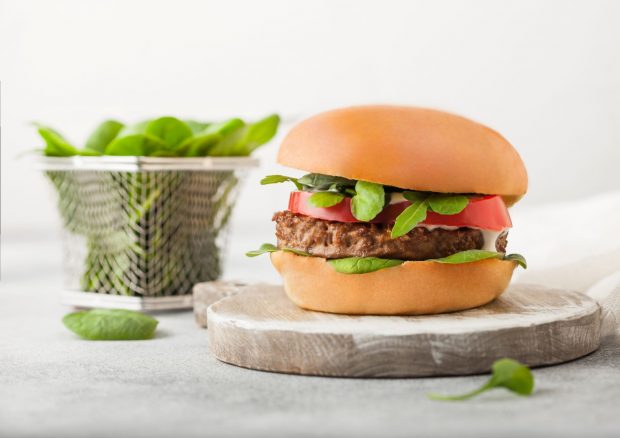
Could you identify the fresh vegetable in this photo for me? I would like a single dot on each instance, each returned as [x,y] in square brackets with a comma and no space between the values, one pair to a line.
[325,199]
[507,373]
[167,137]
[111,325]
[266,248]
[362,265]
[487,212]
[368,201]
[474,255]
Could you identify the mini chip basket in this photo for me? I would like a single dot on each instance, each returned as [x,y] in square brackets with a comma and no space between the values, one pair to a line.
[139,232]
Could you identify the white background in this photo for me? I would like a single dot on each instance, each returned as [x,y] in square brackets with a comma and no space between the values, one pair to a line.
[543,73]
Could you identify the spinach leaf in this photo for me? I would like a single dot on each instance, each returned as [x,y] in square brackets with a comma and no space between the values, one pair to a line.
[447,204]
[244,139]
[410,216]
[507,373]
[55,144]
[325,199]
[170,130]
[275,179]
[474,255]
[518,258]
[198,146]
[111,324]
[269,248]
[318,181]
[136,128]
[102,136]
[225,127]
[138,145]
[362,265]
[368,201]
[263,249]
[471,255]
[196,127]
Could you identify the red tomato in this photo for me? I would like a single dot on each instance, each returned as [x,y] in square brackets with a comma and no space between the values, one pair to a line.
[487,212]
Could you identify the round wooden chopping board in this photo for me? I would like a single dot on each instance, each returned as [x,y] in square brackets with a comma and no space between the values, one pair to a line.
[261,329]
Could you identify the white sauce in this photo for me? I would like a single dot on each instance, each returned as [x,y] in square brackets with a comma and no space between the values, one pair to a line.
[489,236]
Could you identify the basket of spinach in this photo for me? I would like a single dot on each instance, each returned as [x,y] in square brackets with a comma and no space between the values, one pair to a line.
[145,207]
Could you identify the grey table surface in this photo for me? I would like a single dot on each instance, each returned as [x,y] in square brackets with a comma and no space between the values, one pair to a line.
[54,384]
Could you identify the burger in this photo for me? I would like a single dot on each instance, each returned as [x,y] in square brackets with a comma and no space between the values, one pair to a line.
[403,211]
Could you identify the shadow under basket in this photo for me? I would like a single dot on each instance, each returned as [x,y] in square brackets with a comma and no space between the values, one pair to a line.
[139,232]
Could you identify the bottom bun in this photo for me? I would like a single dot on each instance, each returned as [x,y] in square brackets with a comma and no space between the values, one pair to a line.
[413,288]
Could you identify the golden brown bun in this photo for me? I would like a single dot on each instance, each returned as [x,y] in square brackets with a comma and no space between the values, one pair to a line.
[407,147]
[413,288]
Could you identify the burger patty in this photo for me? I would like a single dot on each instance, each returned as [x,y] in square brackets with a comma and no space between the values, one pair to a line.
[334,240]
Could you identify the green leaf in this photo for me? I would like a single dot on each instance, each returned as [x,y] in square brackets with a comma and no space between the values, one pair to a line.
[410,216]
[198,146]
[325,199]
[368,201]
[138,145]
[263,249]
[507,373]
[318,181]
[103,135]
[245,139]
[136,128]
[275,179]
[111,324]
[518,258]
[447,204]
[474,255]
[362,265]
[225,127]
[471,255]
[269,248]
[86,152]
[170,130]
[55,144]
[196,127]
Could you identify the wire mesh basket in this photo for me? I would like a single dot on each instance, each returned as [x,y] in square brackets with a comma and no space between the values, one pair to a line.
[142,231]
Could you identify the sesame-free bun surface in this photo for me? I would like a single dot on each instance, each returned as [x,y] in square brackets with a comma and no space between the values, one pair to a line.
[413,288]
[407,147]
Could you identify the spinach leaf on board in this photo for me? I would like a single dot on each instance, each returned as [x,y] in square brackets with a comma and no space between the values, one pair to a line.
[362,265]
[111,324]
[368,201]
[170,130]
[325,199]
[507,373]
[102,136]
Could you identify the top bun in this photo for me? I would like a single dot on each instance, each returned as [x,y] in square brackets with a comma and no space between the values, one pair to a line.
[407,147]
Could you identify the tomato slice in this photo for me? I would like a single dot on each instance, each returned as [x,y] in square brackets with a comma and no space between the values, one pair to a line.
[485,212]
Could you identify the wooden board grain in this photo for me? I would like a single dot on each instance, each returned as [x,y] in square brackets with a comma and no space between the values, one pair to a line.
[260,328]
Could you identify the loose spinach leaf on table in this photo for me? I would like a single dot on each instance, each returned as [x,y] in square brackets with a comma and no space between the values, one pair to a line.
[111,325]
[507,373]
